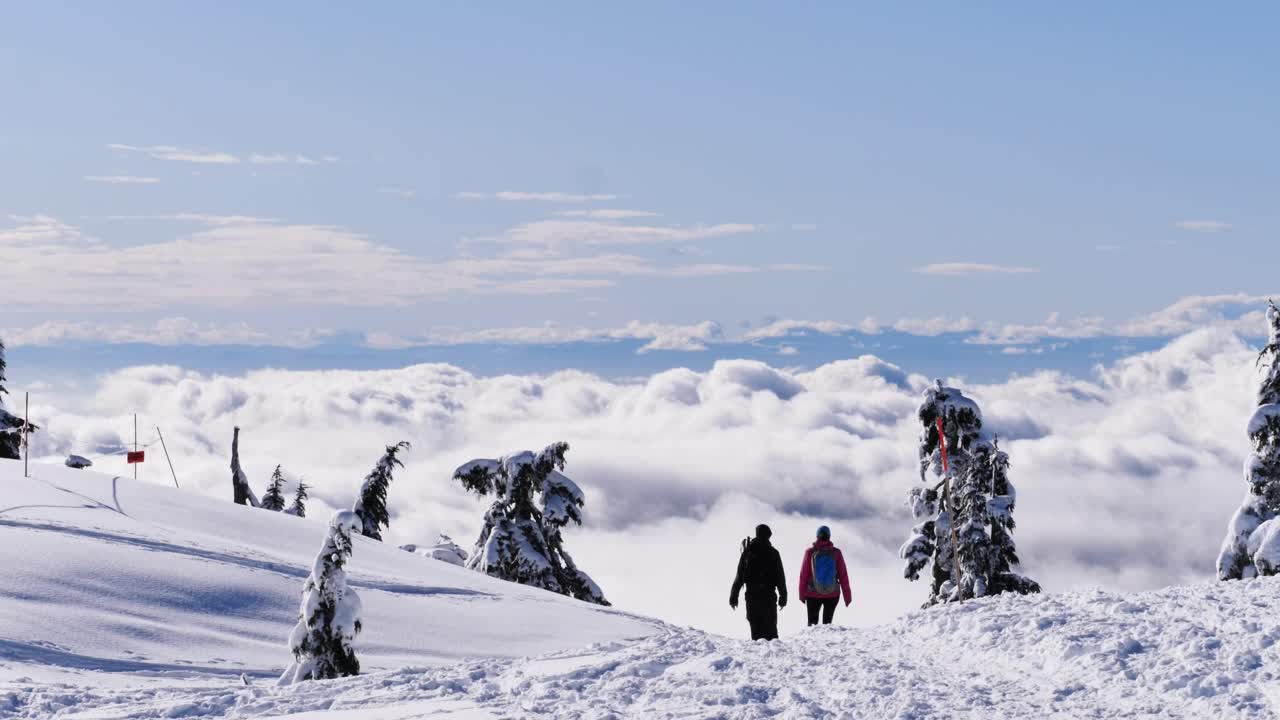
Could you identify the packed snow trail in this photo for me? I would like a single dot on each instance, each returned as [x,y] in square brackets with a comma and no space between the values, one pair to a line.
[1205,651]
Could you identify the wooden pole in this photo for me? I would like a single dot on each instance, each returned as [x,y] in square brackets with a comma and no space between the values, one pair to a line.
[26,424]
[167,458]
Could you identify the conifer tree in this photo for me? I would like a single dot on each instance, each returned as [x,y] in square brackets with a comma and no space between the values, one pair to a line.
[521,539]
[299,506]
[242,493]
[273,498]
[967,536]
[371,503]
[10,425]
[1252,544]
[323,641]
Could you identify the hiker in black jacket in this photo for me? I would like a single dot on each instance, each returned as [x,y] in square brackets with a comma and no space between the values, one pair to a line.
[760,569]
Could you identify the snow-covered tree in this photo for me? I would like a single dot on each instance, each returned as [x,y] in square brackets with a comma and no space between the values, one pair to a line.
[299,506]
[10,424]
[242,493]
[967,537]
[273,498]
[323,641]
[521,540]
[371,503]
[1252,545]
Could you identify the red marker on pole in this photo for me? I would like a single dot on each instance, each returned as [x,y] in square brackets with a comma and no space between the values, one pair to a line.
[942,444]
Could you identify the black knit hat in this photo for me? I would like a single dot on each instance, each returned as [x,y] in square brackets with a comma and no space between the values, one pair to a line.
[763,532]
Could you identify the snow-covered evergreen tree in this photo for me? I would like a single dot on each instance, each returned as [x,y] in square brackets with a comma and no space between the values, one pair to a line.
[323,641]
[966,537]
[1252,545]
[299,506]
[273,498]
[371,503]
[242,493]
[521,540]
[10,424]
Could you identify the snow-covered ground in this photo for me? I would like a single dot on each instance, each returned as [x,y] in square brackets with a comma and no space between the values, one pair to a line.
[124,600]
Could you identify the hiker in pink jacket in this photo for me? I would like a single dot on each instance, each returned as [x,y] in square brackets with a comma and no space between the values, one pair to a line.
[822,578]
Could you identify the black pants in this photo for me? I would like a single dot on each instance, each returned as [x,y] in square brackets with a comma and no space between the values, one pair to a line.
[827,606]
[762,613]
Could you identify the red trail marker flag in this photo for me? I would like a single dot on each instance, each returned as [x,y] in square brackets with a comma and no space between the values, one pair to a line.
[136,456]
[942,445]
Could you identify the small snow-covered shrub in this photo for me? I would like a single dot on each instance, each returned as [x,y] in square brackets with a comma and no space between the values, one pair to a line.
[323,641]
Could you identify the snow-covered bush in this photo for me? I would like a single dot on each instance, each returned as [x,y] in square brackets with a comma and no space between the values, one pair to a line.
[79,462]
[967,537]
[299,506]
[521,540]
[323,641]
[371,503]
[1252,544]
[445,550]
[241,492]
[273,498]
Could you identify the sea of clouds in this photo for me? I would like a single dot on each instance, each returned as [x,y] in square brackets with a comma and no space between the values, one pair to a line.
[1125,479]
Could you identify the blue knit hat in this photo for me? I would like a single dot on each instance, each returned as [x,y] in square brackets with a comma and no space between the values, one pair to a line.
[824,533]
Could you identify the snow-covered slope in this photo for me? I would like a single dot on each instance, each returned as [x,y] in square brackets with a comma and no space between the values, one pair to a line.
[105,574]
[134,601]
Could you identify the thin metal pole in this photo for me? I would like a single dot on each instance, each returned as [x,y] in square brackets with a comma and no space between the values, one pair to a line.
[135,444]
[26,425]
[166,457]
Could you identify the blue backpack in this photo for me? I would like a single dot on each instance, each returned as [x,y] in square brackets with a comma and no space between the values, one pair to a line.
[825,580]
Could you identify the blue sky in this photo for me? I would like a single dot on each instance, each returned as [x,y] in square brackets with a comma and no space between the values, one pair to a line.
[419,171]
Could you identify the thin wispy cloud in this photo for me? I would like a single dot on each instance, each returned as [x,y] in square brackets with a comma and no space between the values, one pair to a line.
[122,179]
[960,269]
[201,156]
[398,192]
[607,214]
[522,196]
[1204,226]
[179,154]
[605,232]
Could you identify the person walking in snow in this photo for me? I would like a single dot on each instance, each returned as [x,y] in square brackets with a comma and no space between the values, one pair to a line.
[822,578]
[760,570]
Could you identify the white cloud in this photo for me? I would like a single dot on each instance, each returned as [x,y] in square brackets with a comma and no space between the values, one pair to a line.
[520,196]
[607,214]
[1205,226]
[165,331]
[240,261]
[192,217]
[1196,311]
[122,179]
[398,192]
[959,269]
[287,159]
[602,232]
[930,327]
[660,336]
[682,459]
[787,328]
[177,154]
[218,157]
